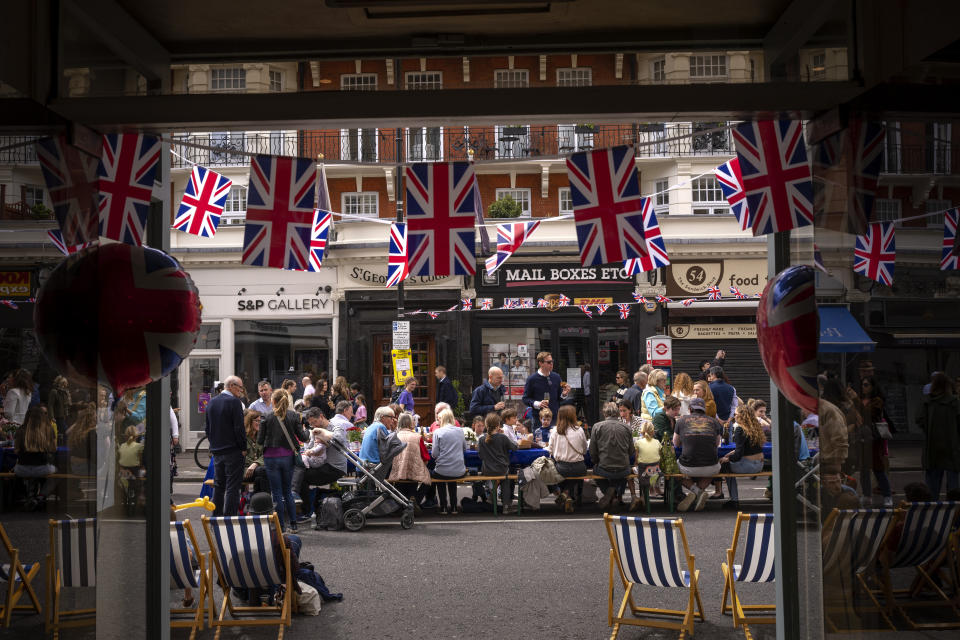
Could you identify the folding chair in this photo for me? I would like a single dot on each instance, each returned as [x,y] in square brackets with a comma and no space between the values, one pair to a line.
[183,542]
[851,540]
[244,557]
[72,562]
[758,558]
[17,577]
[647,551]
[926,532]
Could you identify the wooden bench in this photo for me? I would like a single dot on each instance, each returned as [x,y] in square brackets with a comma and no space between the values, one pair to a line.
[9,475]
[668,493]
[590,476]
[496,480]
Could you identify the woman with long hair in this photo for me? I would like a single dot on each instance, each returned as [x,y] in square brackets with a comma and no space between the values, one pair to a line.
[322,399]
[749,439]
[410,466]
[341,390]
[567,445]
[82,441]
[940,421]
[702,390]
[278,436]
[683,390]
[653,395]
[59,403]
[255,470]
[36,445]
[449,446]
[17,400]
[871,409]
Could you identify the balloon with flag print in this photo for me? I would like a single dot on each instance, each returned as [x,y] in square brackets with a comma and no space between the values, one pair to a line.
[951,248]
[874,254]
[202,203]
[787,334]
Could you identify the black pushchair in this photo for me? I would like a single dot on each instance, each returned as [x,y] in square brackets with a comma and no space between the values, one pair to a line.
[374,496]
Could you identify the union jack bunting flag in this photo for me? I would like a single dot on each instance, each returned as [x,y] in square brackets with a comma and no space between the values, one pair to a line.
[624,310]
[125,175]
[663,299]
[713,293]
[602,308]
[866,139]
[318,238]
[440,214]
[563,300]
[639,298]
[586,309]
[526,303]
[397,267]
[776,174]
[509,238]
[10,303]
[66,249]
[433,314]
[818,259]
[453,308]
[731,184]
[688,302]
[951,248]
[486,304]
[202,203]
[656,256]
[71,180]
[542,303]
[511,303]
[735,291]
[875,253]
[280,212]
[467,304]
[607,205]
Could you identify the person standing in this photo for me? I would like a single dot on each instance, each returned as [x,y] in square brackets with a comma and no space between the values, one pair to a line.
[445,391]
[634,395]
[653,394]
[543,387]
[59,404]
[622,386]
[940,420]
[724,395]
[227,439]
[263,404]
[405,399]
[278,436]
[489,395]
[308,389]
[17,400]
[872,411]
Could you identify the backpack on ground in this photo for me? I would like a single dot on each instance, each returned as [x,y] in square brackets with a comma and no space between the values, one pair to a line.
[331,514]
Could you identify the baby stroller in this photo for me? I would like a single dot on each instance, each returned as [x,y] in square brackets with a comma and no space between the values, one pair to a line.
[383,499]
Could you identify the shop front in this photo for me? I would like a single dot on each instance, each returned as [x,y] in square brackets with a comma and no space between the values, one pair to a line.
[259,324]
[366,340]
[587,351]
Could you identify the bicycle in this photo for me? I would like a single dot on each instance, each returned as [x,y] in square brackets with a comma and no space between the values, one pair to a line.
[201,455]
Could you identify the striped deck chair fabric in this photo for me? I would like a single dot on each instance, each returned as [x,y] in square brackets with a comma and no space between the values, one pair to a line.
[16,580]
[245,552]
[6,569]
[649,550]
[758,553]
[926,529]
[854,538]
[182,572]
[76,552]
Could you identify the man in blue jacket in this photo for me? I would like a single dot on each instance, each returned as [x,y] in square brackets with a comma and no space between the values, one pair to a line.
[724,395]
[544,386]
[488,396]
[228,445]
[445,391]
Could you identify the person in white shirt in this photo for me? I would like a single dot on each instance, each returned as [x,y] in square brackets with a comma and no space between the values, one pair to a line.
[308,389]
[514,430]
[17,400]
[263,404]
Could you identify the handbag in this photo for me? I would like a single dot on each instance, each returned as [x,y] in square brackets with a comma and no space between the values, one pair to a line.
[297,458]
[308,600]
[883,430]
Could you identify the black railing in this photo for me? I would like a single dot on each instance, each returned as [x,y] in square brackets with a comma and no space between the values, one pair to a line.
[22,154]
[931,158]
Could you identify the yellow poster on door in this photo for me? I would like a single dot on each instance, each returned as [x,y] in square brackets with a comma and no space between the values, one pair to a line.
[402,365]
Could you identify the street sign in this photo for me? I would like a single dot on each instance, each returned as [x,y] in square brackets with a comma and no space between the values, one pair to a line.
[401,334]
[402,365]
[660,351]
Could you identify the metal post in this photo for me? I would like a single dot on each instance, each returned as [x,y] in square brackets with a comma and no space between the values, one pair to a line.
[784,463]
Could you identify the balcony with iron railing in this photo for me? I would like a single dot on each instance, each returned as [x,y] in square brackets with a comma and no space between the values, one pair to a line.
[937,159]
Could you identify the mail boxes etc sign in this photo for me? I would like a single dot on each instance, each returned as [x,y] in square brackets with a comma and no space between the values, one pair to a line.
[695,278]
[15,284]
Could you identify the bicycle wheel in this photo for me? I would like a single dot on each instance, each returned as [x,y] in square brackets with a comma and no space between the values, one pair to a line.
[201,455]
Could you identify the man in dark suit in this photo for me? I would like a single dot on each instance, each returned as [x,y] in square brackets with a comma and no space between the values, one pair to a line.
[228,446]
[445,391]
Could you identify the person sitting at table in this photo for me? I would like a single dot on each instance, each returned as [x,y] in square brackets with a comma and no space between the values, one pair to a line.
[567,446]
[749,439]
[653,395]
[632,420]
[449,445]
[36,445]
[254,470]
[514,430]
[478,425]
[611,449]
[648,461]
[82,441]
[698,435]
[494,449]
[410,466]
[541,434]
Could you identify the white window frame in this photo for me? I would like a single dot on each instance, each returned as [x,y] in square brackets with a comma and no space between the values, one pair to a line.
[815,72]
[236,76]
[660,62]
[940,205]
[887,210]
[358,203]
[346,134]
[33,195]
[515,148]
[941,147]
[891,136]
[511,78]
[276,80]
[358,82]
[412,83]
[661,204]
[707,197]
[523,199]
[706,66]
[423,134]
[564,197]
[575,77]
[569,141]
[235,208]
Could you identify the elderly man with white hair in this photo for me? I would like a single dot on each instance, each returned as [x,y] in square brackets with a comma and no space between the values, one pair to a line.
[227,439]
[488,396]
[384,420]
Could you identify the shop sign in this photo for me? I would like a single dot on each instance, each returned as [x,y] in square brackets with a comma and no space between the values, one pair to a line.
[371,278]
[15,284]
[592,301]
[563,274]
[714,331]
[695,278]
[283,303]
[660,351]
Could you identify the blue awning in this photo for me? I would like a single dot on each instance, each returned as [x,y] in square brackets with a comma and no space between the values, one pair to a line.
[840,332]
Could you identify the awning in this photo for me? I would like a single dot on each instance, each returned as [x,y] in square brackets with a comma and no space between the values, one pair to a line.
[840,332]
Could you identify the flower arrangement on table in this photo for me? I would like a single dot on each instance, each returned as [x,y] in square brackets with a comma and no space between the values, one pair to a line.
[354,438]
[470,436]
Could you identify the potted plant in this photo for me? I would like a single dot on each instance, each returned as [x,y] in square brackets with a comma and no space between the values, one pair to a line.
[585,128]
[506,207]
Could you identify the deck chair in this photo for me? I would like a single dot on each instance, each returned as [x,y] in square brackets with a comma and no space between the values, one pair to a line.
[244,558]
[72,562]
[15,580]
[758,559]
[183,541]
[926,532]
[651,552]
[851,541]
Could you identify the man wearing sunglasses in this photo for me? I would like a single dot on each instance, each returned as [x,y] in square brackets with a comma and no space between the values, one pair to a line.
[543,387]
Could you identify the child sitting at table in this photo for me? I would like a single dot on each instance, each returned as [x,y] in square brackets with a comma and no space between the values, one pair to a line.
[542,434]
[316,455]
[648,461]
[494,450]
[514,430]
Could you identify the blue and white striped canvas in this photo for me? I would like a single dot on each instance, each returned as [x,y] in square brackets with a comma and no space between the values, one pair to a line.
[759,551]
[650,551]
[926,528]
[244,551]
[856,537]
[181,570]
[76,552]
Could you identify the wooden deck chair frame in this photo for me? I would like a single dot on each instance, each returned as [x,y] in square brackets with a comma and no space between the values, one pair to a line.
[19,582]
[694,603]
[880,521]
[746,614]
[56,575]
[920,555]
[204,584]
[283,612]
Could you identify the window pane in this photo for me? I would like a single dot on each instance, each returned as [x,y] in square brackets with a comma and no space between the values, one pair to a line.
[706,189]
[228,78]
[566,202]
[358,82]
[511,78]
[209,337]
[520,196]
[424,80]
[579,77]
[663,196]
[710,66]
[268,350]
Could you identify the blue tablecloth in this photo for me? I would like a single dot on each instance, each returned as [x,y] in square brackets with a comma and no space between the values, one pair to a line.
[8,459]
